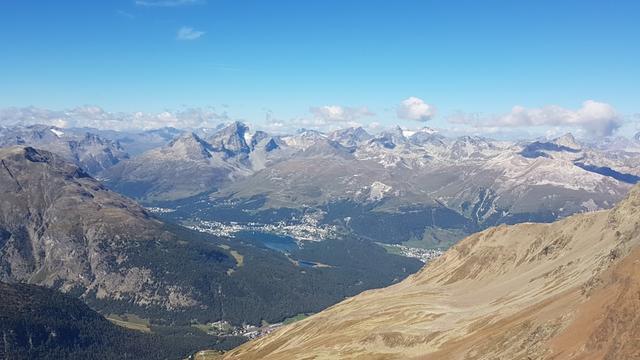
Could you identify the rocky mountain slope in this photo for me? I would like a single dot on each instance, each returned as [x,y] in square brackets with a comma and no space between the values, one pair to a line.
[62,229]
[566,290]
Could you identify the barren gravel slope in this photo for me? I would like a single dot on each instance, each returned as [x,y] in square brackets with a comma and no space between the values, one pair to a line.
[567,290]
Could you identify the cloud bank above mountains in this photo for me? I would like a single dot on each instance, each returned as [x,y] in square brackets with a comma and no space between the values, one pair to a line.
[592,118]
[596,118]
[96,117]
[340,113]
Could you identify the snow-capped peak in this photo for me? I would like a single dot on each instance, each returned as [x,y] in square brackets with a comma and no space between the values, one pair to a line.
[56,132]
[408,133]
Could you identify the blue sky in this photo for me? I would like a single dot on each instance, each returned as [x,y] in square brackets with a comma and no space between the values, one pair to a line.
[469,60]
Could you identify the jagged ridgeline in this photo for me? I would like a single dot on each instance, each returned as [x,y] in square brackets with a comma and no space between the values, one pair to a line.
[398,186]
[62,229]
[566,290]
[88,150]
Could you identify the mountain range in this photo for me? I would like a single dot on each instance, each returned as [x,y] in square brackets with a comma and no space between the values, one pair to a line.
[189,165]
[426,187]
[396,186]
[88,150]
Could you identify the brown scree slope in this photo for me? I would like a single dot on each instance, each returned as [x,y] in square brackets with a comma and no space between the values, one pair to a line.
[567,290]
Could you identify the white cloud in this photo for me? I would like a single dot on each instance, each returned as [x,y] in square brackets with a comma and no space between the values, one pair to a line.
[596,118]
[335,113]
[374,125]
[167,3]
[327,118]
[96,117]
[414,108]
[125,14]
[188,33]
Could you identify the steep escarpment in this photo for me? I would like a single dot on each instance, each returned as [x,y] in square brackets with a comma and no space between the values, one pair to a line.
[566,290]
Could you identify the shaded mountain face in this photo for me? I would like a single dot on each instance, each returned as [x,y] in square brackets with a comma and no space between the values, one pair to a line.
[88,150]
[39,323]
[566,290]
[62,229]
[537,149]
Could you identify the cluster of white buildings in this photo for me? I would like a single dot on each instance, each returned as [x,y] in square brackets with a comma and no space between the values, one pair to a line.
[308,229]
[424,255]
[223,328]
[159,210]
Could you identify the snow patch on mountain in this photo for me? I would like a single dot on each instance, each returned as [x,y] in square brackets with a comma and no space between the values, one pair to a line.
[378,190]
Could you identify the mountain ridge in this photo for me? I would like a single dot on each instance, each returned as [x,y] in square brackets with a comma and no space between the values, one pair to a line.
[518,292]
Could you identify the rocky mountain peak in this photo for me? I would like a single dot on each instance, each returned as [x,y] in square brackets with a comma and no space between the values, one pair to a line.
[427,135]
[261,139]
[310,134]
[567,140]
[190,146]
[258,136]
[391,138]
[232,139]
[350,136]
